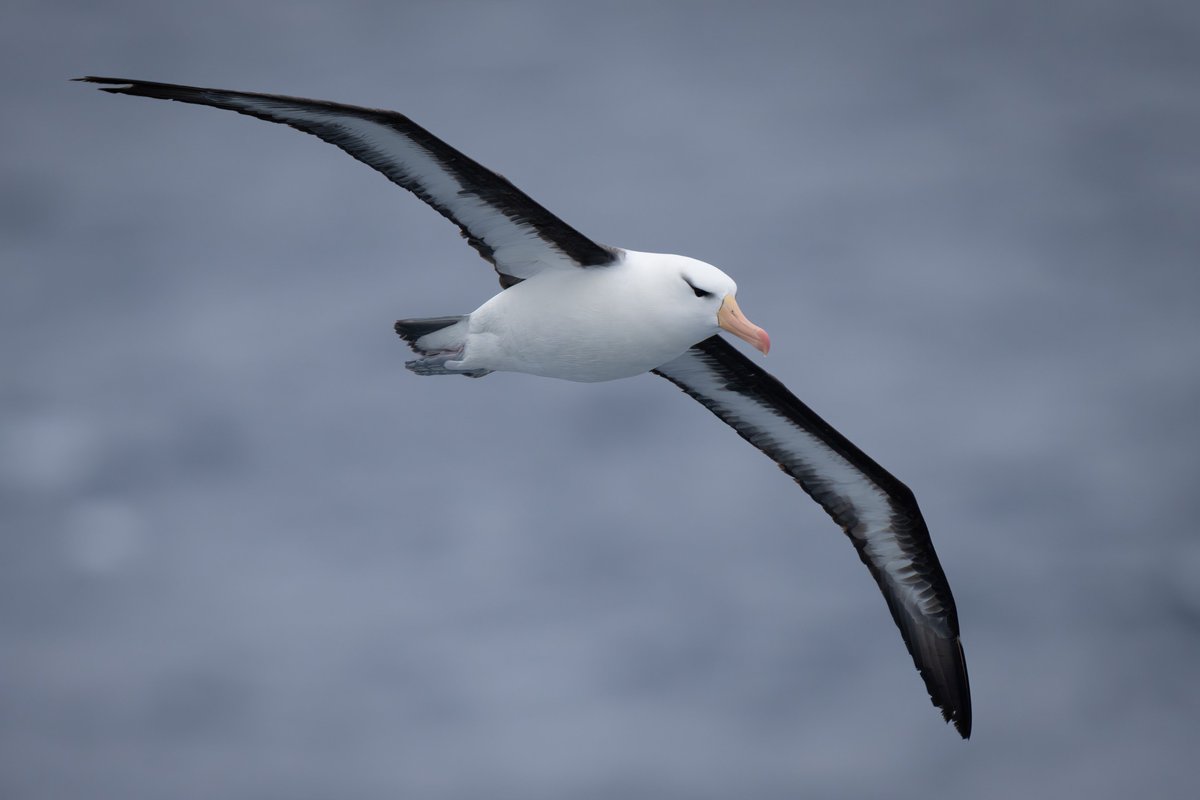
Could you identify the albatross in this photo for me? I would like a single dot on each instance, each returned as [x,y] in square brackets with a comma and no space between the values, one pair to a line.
[572,308]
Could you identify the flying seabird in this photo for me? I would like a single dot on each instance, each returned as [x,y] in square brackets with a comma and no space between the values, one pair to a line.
[572,308]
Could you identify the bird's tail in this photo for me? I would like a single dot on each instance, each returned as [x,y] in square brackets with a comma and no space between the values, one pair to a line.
[437,340]
[414,330]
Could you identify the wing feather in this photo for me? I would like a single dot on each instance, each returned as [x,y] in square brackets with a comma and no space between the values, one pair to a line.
[877,512]
[508,228]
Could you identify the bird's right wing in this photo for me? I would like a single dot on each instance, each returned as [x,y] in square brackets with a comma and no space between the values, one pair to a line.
[508,228]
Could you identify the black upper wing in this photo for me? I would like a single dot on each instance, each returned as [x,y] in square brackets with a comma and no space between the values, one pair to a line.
[508,228]
[877,512]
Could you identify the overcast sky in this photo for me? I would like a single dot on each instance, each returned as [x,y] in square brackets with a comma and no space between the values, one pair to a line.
[245,554]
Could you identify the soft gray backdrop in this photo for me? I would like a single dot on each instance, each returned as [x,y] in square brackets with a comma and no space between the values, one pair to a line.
[245,554]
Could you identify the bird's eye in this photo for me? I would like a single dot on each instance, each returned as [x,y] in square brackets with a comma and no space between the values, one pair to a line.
[697,290]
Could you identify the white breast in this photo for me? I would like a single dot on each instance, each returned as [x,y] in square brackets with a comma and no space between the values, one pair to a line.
[587,324]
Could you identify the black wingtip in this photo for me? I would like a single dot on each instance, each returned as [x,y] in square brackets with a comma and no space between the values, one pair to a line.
[137,88]
[98,79]
[961,714]
[116,85]
[962,723]
[944,669]
[939,658]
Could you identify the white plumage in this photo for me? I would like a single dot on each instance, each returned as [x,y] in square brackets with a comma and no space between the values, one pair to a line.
[592,324]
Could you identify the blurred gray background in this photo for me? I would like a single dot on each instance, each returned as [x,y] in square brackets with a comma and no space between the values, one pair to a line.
[244,554]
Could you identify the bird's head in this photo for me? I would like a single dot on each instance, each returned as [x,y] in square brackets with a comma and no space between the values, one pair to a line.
[712,294]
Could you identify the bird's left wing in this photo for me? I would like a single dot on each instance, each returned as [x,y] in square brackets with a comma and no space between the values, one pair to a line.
[877,512]
[508,228]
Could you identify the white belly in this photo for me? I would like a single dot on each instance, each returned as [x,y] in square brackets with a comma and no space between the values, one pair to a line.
[583,325]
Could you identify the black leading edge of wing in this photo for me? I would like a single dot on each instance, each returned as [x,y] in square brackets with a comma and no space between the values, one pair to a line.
[508,228]
[877,511]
